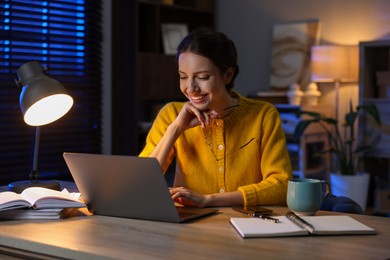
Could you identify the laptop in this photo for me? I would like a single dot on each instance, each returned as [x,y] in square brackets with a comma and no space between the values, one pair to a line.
[128,187]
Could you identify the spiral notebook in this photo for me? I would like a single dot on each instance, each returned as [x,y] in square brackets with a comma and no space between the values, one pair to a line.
[322,225]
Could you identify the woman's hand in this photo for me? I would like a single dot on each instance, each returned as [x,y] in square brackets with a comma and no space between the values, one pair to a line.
[190,116]
[187,197]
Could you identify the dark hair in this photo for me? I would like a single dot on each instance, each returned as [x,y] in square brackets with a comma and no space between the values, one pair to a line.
[213,45]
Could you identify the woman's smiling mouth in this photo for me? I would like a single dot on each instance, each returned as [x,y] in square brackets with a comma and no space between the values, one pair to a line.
[198,99]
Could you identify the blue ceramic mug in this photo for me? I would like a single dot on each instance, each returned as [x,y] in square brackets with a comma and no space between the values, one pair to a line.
[305,196]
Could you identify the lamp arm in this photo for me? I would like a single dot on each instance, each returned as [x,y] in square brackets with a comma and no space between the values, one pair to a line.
[34,173]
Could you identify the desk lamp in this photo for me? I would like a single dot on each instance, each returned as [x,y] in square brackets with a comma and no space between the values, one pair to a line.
[42,100]
[335,64]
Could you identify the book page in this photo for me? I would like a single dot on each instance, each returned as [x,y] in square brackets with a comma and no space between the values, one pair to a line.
[257,227]
[11,200]
[46,198]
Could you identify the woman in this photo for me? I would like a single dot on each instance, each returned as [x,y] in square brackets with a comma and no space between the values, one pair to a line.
[229,150]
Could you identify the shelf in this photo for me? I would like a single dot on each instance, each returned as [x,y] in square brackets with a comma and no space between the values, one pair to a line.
[151,14]
[190,5]
[156,77]
[374,58]
[376,100]
[302,152]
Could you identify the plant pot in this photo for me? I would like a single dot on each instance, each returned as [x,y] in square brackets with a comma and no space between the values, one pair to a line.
[354,187]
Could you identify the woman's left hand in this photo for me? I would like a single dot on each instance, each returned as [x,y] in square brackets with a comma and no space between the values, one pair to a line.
[188,197]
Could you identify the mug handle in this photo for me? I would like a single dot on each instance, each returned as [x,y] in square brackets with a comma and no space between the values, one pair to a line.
[327,191]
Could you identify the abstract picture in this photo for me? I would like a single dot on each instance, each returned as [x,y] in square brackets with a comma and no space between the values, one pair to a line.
[291,47]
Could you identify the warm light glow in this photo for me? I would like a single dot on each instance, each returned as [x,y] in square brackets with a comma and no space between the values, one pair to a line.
[48,109]
[331,63]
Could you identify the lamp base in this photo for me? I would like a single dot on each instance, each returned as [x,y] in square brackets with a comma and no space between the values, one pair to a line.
[19,186]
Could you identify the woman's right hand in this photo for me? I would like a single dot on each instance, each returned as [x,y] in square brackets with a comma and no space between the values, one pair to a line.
[190,116]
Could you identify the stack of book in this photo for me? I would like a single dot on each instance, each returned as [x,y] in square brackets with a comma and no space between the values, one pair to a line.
[38,203]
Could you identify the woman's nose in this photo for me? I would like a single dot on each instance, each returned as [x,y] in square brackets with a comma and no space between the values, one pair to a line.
[192,86]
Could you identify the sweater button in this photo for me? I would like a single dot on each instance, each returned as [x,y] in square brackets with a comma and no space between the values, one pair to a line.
[220,147]
[220,169]
[221,191]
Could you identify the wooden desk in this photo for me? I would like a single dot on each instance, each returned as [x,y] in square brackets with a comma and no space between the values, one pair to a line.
[213,237]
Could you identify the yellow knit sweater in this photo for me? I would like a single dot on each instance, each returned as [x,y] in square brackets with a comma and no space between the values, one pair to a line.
[244,151]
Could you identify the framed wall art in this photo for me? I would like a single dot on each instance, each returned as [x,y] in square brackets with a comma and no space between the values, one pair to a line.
[291,48]
[172,34]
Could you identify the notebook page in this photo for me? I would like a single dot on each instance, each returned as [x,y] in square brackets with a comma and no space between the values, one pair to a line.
[333,225]
[257,227]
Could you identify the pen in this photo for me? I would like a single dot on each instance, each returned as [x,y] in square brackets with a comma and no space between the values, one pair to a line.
[265,217]
[299,221]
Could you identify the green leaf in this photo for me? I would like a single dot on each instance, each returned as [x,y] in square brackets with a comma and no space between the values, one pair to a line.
[341,143]
[362,148]
[330,120]
[350,141]
[301,127]
[350,118]
[372,110]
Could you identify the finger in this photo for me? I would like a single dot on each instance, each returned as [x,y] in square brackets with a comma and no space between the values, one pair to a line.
[175,189]
[199,115]
[175,196]
[180,194]
[207,118]
[193,115]
[185,195]
[174,193]
[213,114]
[182,201]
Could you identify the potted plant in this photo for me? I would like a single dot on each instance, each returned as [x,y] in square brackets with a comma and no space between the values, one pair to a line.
[345,149]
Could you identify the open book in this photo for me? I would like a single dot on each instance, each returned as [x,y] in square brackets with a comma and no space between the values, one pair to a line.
[287,226]
[39,198]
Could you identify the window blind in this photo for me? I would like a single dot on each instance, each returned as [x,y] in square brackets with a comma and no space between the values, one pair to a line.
[64,36]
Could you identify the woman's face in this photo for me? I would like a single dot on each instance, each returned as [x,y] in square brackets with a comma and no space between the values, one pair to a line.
[202,83]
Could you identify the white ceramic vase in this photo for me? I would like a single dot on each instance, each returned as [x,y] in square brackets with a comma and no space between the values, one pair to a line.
[294,94]
[354,187]
[312,94]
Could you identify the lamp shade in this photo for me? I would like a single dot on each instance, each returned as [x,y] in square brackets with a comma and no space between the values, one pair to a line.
[43,100]
[331,63]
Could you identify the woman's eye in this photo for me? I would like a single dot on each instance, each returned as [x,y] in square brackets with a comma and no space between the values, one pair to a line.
[203,77]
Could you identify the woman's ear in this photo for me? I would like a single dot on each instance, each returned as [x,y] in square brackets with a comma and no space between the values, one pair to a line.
[229,75]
